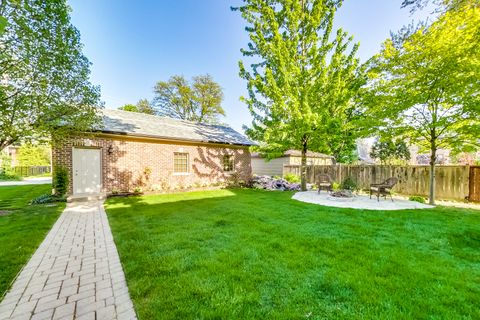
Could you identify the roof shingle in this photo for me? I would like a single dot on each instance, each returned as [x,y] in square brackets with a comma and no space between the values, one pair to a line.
[145,125]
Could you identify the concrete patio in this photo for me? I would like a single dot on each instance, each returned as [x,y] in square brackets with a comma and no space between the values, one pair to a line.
[358,202]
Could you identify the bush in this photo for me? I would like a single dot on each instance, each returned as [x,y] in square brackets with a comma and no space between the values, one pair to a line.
[349,184]
[60,181]
[417,199]
[292,178]
[9,176]
[336,186]
[47,198]
[234,180]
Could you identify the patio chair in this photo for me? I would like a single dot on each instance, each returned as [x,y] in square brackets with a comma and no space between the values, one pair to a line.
[384,188]
[324,182]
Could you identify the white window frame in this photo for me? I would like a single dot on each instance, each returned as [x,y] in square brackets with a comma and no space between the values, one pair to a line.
[180,173]
[232,158]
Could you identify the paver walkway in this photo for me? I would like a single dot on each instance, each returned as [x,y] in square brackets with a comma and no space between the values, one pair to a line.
[74,274]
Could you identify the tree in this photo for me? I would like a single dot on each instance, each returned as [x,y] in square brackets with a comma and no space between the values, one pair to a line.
[199,101]
[425,87]
[129,107]
[301,83]
[142,106]
[440,5]
[389,150]
[33,155]
[44,85]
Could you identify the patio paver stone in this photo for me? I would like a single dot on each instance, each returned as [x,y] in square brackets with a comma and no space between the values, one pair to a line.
[74,274]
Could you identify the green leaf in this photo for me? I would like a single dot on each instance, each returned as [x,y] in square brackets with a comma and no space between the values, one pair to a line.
[3,24]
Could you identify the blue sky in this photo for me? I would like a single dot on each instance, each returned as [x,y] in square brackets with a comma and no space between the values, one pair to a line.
[134,44]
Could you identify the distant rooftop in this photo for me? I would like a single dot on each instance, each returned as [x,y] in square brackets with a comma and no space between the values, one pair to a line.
[145,125]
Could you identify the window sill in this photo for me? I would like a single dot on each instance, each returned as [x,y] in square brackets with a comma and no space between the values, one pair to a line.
[181,173]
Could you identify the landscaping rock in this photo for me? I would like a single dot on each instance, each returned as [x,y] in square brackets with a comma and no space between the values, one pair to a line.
[270,183]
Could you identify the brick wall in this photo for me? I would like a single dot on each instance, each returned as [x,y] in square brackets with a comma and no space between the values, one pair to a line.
[148,164]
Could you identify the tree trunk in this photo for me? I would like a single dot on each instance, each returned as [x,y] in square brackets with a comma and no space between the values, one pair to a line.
[433,158]
[304,167]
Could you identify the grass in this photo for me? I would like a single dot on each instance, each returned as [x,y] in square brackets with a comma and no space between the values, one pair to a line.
[22,228]
[248,254]
[43,175]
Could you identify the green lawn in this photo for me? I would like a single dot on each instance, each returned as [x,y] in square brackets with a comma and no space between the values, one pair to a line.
[22,228]
[247,254]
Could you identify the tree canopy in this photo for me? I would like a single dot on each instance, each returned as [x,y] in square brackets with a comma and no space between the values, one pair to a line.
[389,151]
[440,5]
[142,106]
[425,87]
[45,86]
[302,79]
[199,100]
[33,155]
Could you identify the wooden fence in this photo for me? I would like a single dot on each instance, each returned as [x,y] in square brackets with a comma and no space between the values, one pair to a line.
[29,171]
[452,182]
[474,184]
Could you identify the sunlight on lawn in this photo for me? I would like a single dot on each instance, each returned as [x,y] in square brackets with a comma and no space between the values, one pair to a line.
[122,202]
[252,254]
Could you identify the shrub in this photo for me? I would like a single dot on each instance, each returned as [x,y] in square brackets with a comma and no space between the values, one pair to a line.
[6,171]
[349,184]
[336,186]
[47,198]
[9,176]
[60,181]
[234,180]
[417,199]
[292,178]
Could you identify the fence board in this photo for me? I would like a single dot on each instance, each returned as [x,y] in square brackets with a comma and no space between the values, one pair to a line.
[474,184]
[452,182]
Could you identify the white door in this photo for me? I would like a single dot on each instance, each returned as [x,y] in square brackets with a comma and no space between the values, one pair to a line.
[86,171]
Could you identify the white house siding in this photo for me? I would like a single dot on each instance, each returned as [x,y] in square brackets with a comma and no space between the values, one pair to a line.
[310,161]
[274,167]
[261,167]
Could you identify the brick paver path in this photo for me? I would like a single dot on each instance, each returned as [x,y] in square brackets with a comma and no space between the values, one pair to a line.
[74,274]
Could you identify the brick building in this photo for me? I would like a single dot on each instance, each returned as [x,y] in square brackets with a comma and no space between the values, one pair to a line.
[135,150]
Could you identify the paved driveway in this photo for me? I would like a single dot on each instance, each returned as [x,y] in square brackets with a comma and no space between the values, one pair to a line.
[42,180]
[74,274]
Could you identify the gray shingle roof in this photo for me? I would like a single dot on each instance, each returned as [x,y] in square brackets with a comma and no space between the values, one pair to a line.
[145,125]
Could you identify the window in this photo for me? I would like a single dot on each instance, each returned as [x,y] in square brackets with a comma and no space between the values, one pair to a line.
[228,164]
[180,162]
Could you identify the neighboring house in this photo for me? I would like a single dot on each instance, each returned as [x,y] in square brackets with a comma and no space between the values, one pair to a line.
[416,158]
[274,167]
[11,152]
[364,147]
[134,150]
